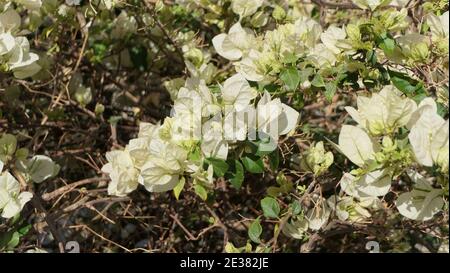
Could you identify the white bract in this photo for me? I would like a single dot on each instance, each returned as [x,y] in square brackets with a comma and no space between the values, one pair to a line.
[429,136]
[423,202]
[245,8]
[11,199]
[161,172]
[375,183]
[384,112]
[357,145]
[352,209]
[316,159]
[274,118]
[318,216]
[124,176]
[39,168]
[439,31]
[261,58]
[382,115]
[15,52]
[236,44]
[360,148]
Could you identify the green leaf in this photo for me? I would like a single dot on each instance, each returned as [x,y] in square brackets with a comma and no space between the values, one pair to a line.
[318,81]
[253,164]
[238,175]
[410,87]
[371,57]
[388,45]
[296,207]
[255,231]
[219,165]
[291,78]
[179,187]
[403,85]
[201,192]
[270,207]
[14,241]
[274,160]
[24,230]
[330,90]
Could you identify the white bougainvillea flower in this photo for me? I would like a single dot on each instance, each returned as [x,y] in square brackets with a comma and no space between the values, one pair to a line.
[319,215]
[138,148]
[40,168]
[429,135]
[20,55]
[249,68]
[245,8]
[440,147]
[148,130]
[375,183]
[213,143]
[384,112]
[296,228]
[235,44]
[7,43]
[427,104]
[27,71]
[356,145]
[123,174]
[371,4]
[162,170]
[423,202]
[205,72]
[274,118]
[236,124]
[195,97]
[350,209]
[438,25]
[321,56]
[414,47]
[316,159]
[12,200]
[308,31]
[236,92]
[9,21]
[332,36]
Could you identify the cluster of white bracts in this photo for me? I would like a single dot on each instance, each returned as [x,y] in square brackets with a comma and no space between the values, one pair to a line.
[15,52]
[378,118]
[201,119]
[11,199]
[261,58]
[36,169]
